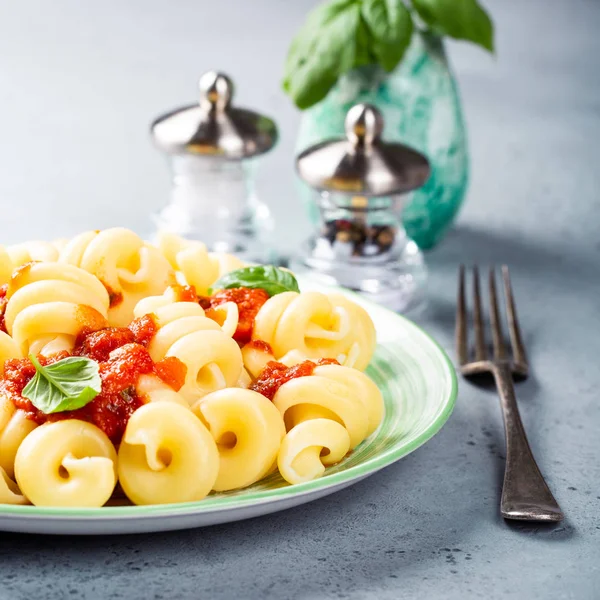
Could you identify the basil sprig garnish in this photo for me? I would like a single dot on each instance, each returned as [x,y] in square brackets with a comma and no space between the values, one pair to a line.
[271,279]
[67,384]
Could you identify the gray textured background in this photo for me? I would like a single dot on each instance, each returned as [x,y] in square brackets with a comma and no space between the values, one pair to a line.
[79,83]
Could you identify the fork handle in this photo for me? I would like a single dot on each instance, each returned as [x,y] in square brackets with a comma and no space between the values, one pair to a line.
[525,494]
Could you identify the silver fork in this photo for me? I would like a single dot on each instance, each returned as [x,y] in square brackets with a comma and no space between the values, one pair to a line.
[525,494]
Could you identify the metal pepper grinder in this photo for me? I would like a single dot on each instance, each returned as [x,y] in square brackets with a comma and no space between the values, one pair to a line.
[361,183]
[213,149]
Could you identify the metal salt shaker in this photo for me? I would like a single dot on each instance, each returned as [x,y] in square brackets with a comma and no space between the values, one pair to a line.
[213,148]
[360,185]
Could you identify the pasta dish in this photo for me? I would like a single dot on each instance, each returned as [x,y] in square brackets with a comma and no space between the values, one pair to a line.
[162,373]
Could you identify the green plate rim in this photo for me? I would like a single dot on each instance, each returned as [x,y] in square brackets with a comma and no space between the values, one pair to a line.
[363,469]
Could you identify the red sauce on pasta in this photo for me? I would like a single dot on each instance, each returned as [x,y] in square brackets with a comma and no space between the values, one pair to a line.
[172,371]
[99,344]
[260,345]
[143,329]
[121,358]
[185,293]
[19,273]
[275,374]
[249,302]
[3,303]
[114,298]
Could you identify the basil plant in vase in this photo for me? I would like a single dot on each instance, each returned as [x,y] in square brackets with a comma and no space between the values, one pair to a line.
[390,53]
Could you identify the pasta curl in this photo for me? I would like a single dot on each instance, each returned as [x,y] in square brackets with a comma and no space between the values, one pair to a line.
[226,315]
[6,267]
[248,431]
[129,268]
[154,389]
[334,392]
[14,428]
[193,263]
[49,304]
[9,490]
[301,457]
[213,360]
[66,463]
[8,349]
[167,455]
[21,254]
[315,325]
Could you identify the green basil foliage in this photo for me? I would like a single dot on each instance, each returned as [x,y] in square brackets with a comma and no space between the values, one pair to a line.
[271,279]
[340,35]
[460,19]
[67,384]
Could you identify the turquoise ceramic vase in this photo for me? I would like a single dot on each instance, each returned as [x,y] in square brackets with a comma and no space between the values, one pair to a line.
[421,108]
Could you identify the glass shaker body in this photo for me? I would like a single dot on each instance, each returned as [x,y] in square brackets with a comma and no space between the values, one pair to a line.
[214,200]
[362,245]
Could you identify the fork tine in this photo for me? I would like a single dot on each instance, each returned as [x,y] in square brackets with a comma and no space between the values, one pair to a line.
[480,351]
[497,337]
[514,330]
[461,320]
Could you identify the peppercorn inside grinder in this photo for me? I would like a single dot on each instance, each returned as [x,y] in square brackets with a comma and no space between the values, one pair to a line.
[213,148]
[360,186]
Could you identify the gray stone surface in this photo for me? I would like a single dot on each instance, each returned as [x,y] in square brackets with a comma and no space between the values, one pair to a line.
[79,83]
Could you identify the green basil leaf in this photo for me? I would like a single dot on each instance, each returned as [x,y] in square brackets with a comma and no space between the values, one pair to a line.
[460,19]
[324,48]
[67,384]
[271,279]
[391,28]
[364,53]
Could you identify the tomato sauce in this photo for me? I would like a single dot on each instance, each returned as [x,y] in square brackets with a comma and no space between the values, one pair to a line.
[18,274]
[143,329]
[99,344]
[172,371]
[122,358]
[3,303]
[249,302]
[185,293]
[114,298]
[275,374]
[260,345]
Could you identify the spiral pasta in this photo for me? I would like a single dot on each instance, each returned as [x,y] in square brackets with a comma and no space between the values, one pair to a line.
[8,349]
[213,360]
[33,251]
[15,256]
[182,427]
[194,264]
[49,304]
[167,455]
[334,392]
[153,389]
[6,267]
[128,267]
[315,325]
[9,490]
[225,315]
[301,457]
[66,463]
[248,431]
[14,428]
